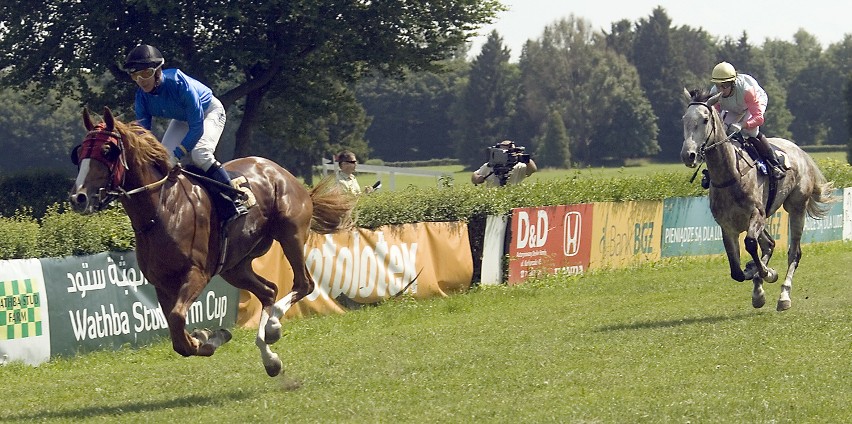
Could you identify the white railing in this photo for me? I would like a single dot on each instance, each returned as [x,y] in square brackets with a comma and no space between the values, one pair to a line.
[329,166]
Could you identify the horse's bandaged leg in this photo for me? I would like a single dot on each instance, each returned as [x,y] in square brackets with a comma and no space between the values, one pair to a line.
[784,301]
[271,362]
[273,325]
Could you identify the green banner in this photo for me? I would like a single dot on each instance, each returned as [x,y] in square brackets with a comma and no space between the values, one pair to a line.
[689,228]
[103,302]
[830,227]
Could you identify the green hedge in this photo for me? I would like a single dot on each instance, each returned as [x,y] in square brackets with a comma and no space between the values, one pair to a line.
[61,232]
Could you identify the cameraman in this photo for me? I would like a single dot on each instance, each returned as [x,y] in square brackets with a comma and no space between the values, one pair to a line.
[524,168]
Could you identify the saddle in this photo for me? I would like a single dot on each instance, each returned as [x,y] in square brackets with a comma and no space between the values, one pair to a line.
[222,197]
[759,161]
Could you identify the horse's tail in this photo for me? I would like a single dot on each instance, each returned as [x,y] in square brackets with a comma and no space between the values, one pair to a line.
[822,195]
[332,207]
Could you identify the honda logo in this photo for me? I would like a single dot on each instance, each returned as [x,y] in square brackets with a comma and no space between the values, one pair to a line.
[573,230]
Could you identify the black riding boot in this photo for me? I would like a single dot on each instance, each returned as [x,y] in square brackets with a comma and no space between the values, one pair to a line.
[768,154]
[227,207]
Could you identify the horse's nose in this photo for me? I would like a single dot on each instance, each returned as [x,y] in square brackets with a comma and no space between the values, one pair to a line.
[79,201]
[689,158]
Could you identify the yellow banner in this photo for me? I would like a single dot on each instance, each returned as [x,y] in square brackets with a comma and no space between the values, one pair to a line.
[626,233]
[368,266]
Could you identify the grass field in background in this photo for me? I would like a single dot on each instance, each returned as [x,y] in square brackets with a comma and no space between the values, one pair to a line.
[676,341]
[463,177]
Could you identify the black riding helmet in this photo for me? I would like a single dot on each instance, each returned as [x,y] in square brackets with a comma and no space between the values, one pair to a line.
[143,56]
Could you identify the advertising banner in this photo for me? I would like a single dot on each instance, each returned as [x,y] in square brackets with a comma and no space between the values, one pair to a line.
[689,228]
[364,266]
[103,302]
[830,227]
[24,322]
[550,239]
[626,233]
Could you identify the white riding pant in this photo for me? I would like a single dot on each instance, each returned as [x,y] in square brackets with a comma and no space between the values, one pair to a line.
[202,155]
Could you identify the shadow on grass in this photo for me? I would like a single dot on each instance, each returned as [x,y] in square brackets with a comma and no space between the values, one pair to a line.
[192,401]
[673,323]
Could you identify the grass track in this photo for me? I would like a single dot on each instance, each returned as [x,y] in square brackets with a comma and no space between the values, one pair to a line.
[676,341]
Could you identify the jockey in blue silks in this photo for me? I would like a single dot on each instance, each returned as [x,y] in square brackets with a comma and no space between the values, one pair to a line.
[197,116]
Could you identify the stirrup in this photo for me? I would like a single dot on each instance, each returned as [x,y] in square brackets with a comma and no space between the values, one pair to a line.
[776,172]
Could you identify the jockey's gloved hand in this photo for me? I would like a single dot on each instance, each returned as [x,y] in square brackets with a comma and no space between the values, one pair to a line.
[734,128]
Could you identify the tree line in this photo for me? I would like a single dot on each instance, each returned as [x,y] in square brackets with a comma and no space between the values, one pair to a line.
[304,79]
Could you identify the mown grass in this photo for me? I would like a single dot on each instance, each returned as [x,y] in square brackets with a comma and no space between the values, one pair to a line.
[676,341]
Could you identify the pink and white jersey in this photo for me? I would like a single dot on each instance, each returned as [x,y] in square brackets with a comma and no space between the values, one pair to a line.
[746,104]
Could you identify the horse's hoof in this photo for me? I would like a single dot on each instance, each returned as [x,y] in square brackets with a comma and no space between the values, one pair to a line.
[758,302]
[200,334]
[273,331]
[224,334]
[218,338]
[771,275]
[783,305]
[274,368]
[750,271]
[206,349]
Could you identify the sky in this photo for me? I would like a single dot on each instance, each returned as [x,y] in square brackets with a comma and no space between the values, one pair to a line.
[827,20]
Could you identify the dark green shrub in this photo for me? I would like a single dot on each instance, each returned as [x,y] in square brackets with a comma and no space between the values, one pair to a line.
[35,190]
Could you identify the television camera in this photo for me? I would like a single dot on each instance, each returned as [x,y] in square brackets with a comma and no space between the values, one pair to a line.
[502,158]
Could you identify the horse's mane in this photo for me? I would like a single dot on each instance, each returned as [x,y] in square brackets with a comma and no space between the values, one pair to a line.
[143,148]
[699,95]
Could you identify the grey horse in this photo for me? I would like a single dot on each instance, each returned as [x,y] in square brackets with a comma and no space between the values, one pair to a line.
[739,193]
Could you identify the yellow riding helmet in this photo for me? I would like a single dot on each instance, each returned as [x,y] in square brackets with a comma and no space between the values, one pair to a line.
[723,72]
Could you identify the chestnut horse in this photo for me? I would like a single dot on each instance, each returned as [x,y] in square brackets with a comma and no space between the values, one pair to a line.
[740,195]
[180,244]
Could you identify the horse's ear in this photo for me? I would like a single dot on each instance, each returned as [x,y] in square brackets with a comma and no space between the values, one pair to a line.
[87,120]
[686,93]
[109,120]
[712,100]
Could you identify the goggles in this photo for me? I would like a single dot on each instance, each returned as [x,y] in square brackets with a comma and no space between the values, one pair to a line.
[144,74]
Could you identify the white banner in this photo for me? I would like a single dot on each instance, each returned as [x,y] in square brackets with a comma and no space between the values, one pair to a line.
[847,213]
[493,250]
[24,324]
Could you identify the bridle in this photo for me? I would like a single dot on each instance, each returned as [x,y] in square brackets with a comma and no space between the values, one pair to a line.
[107,147]
[704,147]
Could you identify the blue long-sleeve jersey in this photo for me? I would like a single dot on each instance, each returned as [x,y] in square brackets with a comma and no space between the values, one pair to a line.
[179,97]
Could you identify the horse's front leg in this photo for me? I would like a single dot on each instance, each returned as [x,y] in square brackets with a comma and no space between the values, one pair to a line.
[756,230]
[732,249]
[182,342]
[767,247]
[200,342]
